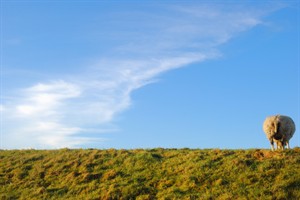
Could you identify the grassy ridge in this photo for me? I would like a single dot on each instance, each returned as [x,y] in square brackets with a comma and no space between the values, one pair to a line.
[149,174]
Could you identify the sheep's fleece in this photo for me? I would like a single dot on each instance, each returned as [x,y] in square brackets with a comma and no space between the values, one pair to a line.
[279,129]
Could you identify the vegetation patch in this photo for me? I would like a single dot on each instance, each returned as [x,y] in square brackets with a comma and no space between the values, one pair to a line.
[149,174]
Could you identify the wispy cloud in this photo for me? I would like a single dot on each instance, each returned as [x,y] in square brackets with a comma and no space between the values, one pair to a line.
[60,113]
[44,100]
[36,116]
[1,108]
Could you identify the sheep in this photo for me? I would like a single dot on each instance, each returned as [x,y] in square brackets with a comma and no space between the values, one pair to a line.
[279,129]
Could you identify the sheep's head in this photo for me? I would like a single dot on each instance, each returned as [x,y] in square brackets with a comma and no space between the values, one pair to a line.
[272,129]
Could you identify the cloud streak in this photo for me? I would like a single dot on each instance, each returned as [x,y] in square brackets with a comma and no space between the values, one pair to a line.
[53,114]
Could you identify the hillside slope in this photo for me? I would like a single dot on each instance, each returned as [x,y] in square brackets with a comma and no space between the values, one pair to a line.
[149,174]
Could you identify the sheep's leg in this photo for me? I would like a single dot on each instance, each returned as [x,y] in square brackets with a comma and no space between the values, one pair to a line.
[282,145]
[272,145]
[287,145]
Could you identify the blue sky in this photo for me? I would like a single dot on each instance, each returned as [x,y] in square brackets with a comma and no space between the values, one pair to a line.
[145,74]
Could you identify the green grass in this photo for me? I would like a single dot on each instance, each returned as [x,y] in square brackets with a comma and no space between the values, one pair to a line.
[149,174]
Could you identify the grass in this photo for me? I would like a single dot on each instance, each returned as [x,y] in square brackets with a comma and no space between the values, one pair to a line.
[149,174]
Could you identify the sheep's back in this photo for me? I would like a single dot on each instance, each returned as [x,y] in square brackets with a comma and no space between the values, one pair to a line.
[287,126]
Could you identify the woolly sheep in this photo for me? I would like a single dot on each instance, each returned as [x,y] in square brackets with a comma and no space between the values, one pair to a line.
[279,129]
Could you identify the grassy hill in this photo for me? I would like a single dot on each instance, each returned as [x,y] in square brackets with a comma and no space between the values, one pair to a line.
[149,174]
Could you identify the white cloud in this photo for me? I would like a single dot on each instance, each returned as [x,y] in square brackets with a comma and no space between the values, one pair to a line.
[45,99]
[38,112]
[54,114]
[2,108]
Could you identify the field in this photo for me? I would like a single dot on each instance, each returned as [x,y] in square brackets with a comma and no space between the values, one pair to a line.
[149,174]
